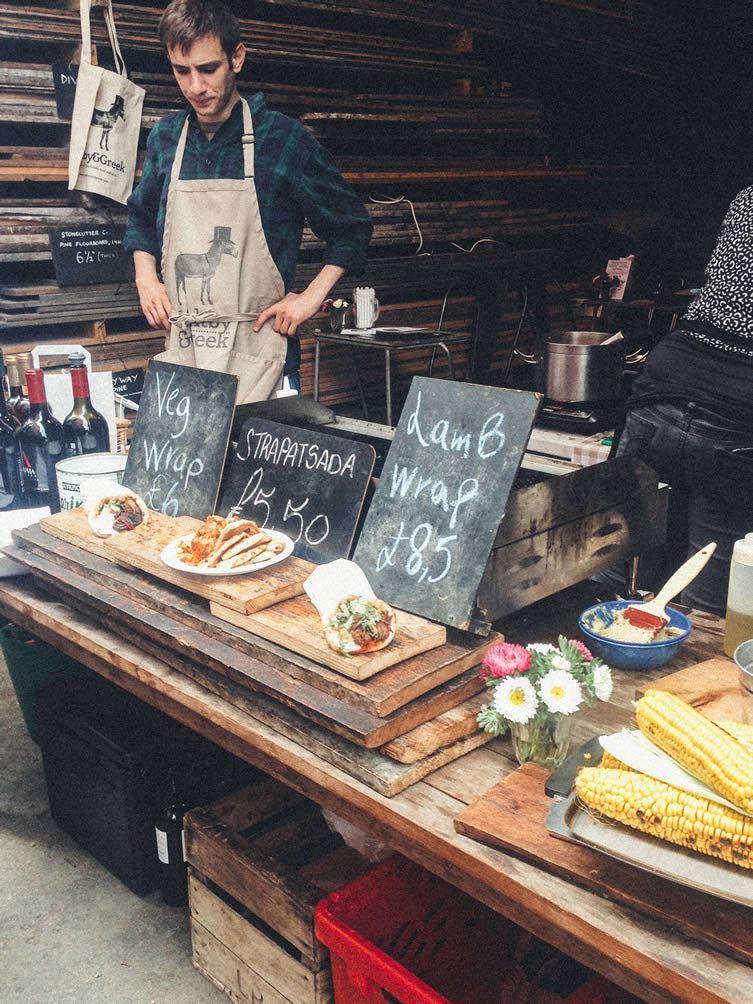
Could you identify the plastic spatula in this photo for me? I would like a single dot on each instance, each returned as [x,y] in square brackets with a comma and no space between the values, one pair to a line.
[651,616]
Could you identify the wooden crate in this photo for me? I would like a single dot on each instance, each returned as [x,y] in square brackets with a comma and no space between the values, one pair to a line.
[259,862]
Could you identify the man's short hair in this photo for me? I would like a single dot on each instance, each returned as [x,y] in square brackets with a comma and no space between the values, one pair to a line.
[184,21]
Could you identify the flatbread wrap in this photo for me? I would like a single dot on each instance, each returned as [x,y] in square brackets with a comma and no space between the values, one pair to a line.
[359,625]
[117,512]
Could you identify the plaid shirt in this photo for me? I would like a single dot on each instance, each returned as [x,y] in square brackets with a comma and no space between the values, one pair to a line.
[296,181]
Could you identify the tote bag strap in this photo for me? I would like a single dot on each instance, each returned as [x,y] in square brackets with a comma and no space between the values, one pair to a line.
[86,35]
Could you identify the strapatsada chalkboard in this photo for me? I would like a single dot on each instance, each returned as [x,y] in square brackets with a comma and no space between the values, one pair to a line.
[180,438]
[308,484]
[443,491]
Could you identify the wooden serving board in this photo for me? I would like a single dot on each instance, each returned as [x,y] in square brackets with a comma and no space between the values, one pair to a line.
[379,696]
[141,548]
[712,687]
[512,816]
[296,624]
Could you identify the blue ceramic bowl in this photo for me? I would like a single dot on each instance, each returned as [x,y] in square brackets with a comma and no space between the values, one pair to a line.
[630,655]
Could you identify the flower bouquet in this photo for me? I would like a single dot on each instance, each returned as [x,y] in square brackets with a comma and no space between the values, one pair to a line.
[535,690]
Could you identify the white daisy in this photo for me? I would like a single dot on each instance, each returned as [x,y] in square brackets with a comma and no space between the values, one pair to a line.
[515,699]
[561,662]
[560,691]
[603,682]
[541,647]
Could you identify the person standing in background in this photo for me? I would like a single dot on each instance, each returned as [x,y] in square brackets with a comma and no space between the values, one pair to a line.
[690,412]
[222,200]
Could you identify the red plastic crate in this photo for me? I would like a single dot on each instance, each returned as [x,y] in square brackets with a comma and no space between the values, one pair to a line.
[400,933]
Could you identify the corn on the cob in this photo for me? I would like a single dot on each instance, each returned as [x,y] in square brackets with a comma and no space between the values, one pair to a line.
[699,745]
[610,761]
[743,733]
[668,813]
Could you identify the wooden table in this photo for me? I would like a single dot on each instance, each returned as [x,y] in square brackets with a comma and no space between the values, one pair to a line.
[652,960]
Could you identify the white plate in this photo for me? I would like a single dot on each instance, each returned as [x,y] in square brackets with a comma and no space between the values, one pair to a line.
[170,557]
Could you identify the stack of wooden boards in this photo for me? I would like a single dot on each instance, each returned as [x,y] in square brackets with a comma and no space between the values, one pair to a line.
[387,719]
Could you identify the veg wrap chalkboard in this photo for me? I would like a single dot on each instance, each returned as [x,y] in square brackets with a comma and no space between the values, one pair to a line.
[429,531]
[180,438]
[308,484]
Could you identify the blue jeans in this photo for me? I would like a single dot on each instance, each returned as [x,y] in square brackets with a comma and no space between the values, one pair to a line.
[708,461]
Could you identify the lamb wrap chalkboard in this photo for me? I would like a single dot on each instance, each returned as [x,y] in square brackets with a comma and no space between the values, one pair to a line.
[306,483]
[180,438]
[443,491]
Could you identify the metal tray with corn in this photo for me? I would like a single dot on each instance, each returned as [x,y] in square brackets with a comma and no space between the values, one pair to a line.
[675,799]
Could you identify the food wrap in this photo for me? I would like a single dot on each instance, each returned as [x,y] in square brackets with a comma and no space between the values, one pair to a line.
[329,584]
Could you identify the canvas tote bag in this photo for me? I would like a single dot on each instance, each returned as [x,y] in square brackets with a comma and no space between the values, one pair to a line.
[106,120]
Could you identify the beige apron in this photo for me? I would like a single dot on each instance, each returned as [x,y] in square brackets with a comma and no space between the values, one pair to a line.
[220,275]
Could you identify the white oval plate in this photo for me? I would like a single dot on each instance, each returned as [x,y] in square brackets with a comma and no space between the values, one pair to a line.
[170,557]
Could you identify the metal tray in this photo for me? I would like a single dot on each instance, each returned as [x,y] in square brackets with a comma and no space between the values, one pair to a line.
[568,820]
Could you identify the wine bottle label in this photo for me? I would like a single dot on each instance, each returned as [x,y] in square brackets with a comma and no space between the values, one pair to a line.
[162,851]
[35,469]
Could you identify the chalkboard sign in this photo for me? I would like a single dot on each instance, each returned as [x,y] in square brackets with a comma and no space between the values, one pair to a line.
[308,484]
[180,438]
[82,255]
[128,384]
[64,76]
[429,531]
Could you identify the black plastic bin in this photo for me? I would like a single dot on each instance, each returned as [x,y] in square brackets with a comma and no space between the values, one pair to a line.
[109,763]
[33,664]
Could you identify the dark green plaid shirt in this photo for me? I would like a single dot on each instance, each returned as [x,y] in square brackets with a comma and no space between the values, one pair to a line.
[296,181]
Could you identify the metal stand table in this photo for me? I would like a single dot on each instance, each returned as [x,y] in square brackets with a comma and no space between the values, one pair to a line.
[389,342]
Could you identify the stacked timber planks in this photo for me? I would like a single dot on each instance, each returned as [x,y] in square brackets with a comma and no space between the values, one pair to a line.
[414,103]
[387,730]
[273,44]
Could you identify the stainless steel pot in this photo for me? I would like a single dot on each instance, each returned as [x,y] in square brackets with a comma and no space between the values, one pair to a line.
[581,366]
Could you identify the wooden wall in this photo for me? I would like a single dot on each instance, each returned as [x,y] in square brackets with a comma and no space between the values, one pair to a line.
[496,145]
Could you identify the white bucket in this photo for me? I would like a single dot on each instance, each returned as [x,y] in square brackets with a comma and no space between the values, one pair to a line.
[78,476]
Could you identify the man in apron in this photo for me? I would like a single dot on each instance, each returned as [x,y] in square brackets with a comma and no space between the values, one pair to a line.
[221,203]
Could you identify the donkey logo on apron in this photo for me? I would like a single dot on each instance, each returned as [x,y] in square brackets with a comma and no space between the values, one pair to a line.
[203,266]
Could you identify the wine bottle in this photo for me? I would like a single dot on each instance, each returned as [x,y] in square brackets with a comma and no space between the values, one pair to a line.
[41,442]
[11,481]
[18,402]
[84,428]
[171,855]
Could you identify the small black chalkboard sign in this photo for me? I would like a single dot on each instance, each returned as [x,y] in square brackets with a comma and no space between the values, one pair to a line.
[308,484]
[82,255]
[128,384]
[443,490]
[180,438]
[64,76]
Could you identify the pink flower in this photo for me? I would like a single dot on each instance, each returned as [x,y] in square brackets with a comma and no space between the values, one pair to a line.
[504,659]
[582,649]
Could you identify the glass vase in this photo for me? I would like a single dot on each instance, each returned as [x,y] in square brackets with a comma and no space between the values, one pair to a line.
[542,740]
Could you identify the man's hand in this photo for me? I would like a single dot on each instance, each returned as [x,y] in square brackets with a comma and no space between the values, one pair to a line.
[155,303]
[153,297]
[290,311]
